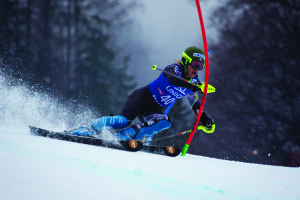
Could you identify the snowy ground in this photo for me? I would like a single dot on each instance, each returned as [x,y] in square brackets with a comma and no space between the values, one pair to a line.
[38,168]
[34,167]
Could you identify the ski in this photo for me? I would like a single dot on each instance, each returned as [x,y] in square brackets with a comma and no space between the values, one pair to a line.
[162,150]
[131,145]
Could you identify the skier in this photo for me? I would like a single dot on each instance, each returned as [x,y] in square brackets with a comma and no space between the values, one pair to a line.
[149,103]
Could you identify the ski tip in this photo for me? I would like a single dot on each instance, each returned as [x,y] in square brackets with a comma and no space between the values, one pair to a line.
[31,127]
[33,130]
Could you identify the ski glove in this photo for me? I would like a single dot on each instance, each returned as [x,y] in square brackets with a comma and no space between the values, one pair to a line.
[196,88]
[200,88]
[206,121]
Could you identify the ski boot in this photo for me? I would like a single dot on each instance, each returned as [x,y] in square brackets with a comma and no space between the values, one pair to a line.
[85,130]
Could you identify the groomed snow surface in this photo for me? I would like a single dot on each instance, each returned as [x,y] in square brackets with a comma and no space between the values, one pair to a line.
[34,167]
[37,168]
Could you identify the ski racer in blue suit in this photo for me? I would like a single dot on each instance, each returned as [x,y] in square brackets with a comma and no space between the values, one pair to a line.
[149,103]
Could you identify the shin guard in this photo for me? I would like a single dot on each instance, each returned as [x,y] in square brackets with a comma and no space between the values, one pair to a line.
[114,122]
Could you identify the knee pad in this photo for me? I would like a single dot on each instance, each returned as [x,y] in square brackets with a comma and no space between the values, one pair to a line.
[114,122]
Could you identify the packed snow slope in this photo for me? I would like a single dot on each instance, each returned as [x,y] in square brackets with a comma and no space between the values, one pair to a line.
[34,167]
[37,168]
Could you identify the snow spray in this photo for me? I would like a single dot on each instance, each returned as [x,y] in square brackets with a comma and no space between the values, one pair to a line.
[21,106]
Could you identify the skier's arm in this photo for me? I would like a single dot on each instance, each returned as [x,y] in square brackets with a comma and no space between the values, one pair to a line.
[193,100]
[195,104]
[173,69]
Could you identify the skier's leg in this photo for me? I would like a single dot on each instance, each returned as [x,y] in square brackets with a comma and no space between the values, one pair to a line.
[134,106]
[153,124]
[128,133]
[114,122]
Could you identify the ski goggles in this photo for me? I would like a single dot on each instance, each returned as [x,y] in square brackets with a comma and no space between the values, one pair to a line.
[195,64]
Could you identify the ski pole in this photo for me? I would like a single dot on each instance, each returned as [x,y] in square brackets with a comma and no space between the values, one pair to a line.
[184,132]
[210,88]
[154,67]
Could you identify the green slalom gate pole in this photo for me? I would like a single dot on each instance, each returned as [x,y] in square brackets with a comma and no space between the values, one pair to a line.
[186,146]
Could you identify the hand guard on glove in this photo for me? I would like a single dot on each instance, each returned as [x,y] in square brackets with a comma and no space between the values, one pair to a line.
[200,88]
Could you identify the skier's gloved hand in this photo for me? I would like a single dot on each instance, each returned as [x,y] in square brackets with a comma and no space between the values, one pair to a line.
[200,87]
[209,124]
[206,121]
[196,88]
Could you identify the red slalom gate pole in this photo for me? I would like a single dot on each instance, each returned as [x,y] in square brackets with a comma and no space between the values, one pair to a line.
[186,146]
